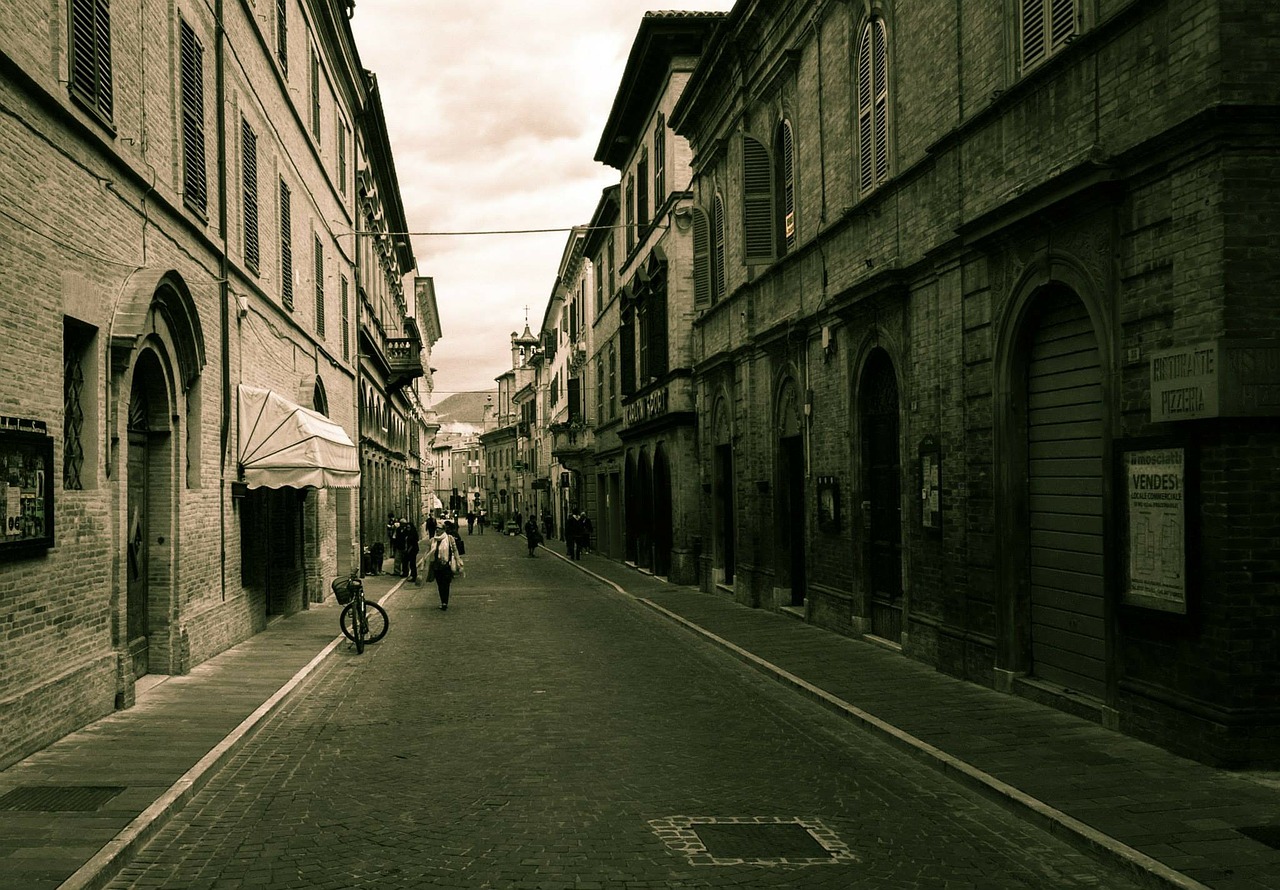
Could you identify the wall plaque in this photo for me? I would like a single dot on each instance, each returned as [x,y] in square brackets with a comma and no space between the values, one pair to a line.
[1216,378]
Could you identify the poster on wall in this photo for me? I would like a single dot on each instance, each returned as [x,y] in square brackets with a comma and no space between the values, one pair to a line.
[1156,502]
[26,492]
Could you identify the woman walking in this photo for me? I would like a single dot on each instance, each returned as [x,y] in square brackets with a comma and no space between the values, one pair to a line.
[442,557]
[533,537]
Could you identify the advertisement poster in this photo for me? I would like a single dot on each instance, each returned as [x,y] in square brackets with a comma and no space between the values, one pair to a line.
[1155,483]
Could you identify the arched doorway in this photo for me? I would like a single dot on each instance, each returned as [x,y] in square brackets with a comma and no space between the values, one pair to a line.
[722,515]
[881,480]
[1064,492]
[148,518]
[660,519]
[791,495]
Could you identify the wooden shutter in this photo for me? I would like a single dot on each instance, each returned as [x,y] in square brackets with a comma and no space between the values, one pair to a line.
[1034,43]
[319,254]
[282,34]
[575,399]
[249,193]
[286,248]
[346,318]
[717,249]
[91,53]
[315,94]
[1062,22]
[880,68]
[659,162]
[194,182]
[757,202]
[866,104]
[701,259]
[787,183]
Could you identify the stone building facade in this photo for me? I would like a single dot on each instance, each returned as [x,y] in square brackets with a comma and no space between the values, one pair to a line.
[179,210]
[987,352]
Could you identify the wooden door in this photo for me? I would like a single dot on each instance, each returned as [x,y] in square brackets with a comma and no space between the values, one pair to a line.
[1064,461]
[138,620]
[882,467]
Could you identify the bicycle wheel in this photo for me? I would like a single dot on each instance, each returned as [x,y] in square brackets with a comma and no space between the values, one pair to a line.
[375,623]
[352,628]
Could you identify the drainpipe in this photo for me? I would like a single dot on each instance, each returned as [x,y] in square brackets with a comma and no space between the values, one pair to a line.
[224,288]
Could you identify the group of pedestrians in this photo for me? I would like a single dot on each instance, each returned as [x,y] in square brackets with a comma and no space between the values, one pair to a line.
[442,556]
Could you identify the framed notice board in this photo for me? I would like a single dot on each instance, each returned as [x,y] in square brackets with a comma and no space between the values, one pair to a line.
[1159,501]
[26,487]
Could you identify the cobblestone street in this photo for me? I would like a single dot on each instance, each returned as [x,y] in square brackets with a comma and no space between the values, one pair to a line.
[548,732]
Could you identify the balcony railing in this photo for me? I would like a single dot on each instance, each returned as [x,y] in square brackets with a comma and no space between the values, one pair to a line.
[404,357]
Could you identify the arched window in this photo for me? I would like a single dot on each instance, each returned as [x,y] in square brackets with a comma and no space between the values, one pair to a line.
[873,105]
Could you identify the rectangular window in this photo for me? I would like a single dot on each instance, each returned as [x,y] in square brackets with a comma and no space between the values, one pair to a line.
[573,395]
[627,341]
[659,163]
[642,194]
[90,41]
[249,194]
[599,390]
[315,94]
[75,395]
[319,254]
[282,34]
[194,183]
[631,213]
[599,264]
[346,318]
[286,248]
[613,381]
[610,268]
[342,156]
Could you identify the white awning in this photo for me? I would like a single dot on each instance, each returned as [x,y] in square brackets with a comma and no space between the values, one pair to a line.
[283,444]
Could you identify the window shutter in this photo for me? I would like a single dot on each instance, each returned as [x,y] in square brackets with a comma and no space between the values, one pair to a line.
[346,318]
[881,108]
[1034,44]
[194,183]
[91,53]
[315,94]
[575,400]
[701,259]
[866,168]
[1062,25]
[642,189]
[102,48]
[757,202]
[787,183]
[282,34]
[249,193]
[659,162]
[319,253]
[717,249]
[286,248]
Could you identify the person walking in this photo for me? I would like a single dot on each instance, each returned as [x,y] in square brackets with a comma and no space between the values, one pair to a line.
[471,520]
[442,557]
[532,536]
[573,534]
[392,544]
[584,540]
[484,520]
[411,542]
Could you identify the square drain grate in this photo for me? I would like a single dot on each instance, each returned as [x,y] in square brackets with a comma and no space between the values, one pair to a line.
[58,798]
[752,840]
[1263,834]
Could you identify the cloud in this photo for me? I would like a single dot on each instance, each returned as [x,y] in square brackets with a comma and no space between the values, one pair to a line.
[494,111]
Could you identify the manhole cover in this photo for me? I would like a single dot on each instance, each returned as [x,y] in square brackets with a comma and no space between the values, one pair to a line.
[58,798]
[752,840]
[1263,834]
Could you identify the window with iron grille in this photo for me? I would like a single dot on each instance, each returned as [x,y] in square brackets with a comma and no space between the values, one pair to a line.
[75,356]
[249,194]
[90,45]
[346,319]
[319,254]
[785,183]
[873,105]
[1045,27]
[194,183]
[659,162]
[282,34]
[286,248]
[315,94]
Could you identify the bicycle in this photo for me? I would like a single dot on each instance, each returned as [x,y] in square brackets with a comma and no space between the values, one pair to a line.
[362,621]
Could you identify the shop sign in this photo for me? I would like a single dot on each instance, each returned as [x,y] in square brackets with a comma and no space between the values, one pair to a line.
[1216,378]
[651,405]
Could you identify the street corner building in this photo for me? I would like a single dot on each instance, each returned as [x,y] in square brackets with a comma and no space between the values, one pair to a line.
[204,308]
[987,362]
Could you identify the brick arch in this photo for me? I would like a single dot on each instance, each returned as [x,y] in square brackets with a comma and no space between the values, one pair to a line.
[160,293]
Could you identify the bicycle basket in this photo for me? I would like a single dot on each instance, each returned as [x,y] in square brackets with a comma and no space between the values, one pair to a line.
[345,589]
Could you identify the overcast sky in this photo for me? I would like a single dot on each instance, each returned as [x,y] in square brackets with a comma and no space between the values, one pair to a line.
[495,109]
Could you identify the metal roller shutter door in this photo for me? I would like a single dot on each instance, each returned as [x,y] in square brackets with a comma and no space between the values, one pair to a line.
[1064,449]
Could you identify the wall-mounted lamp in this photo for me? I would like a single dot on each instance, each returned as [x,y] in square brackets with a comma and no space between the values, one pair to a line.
[242,306]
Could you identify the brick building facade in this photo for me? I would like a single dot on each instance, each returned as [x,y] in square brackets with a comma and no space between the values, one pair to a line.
[977,281]
[178,221]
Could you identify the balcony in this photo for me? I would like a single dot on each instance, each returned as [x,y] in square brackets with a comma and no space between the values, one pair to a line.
[569,440]
[404,357]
